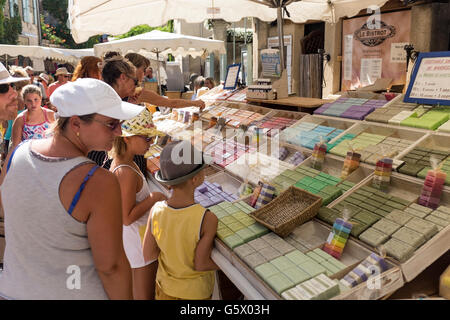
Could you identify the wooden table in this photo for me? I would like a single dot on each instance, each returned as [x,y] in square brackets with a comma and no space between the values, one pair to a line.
[292,103]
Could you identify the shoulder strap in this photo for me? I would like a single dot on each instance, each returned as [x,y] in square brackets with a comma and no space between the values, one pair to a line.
[128,166]
[77,196]
[45,115]
[12,155]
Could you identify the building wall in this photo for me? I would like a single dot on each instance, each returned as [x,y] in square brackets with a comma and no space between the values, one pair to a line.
[30,20]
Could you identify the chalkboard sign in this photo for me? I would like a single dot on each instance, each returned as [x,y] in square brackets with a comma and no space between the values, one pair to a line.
[430,80]
[232,76]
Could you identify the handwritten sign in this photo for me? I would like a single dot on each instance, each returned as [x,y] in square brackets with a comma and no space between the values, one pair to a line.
[430,82]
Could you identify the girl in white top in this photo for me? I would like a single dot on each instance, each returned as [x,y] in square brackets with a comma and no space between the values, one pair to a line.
[137,200]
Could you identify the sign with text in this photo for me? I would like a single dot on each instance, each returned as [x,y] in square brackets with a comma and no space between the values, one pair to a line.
[430,80]
[373,49]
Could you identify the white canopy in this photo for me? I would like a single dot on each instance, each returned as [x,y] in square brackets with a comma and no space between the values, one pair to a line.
[38,52]
[92,17]
[161,42]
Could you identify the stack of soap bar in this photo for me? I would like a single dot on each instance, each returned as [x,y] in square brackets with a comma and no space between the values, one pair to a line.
[297,158]
[331,265]
[352,108]
[318,155]
[382,175]
[275,124]
[372,265]
[307,134]
[338,238]
[210,194]
[224,153]
[430,120]
[417,161]
[318,288]
[432,188]
[347,136]
[351,163]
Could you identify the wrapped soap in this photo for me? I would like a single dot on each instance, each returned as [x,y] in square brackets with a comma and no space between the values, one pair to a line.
[351,163]
[318,155]
[283,154]
[265,196]
[383,170]
[255,194]
[372,265]
[433,185]
[338,236]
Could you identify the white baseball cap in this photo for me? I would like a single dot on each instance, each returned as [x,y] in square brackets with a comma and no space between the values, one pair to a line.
[5,76]
[87,95]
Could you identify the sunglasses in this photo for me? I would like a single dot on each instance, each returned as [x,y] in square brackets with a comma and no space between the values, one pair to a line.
[4,88]
[146,138]
[136,81]
[111,125]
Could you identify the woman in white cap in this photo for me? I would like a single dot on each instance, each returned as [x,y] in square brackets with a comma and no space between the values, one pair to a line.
[64,238]
[137,200]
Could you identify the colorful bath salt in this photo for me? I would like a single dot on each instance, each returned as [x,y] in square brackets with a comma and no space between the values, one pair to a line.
[432,189]
[318,155]
[351,163]
[372,265]
[382,177]
[338,238]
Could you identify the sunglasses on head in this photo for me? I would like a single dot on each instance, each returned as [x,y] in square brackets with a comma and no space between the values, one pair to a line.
[4,88]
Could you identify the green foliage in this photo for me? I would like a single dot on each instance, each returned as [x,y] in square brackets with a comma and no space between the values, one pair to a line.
[60,33]
[239,35]
[143,28]
[10,28]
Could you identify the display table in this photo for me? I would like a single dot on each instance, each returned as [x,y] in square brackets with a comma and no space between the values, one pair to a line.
[292,103]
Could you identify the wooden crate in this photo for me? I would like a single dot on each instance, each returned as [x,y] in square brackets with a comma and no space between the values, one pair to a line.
[410,189]
[173,94]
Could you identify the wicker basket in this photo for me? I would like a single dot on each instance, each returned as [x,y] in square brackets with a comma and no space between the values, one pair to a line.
[290,209]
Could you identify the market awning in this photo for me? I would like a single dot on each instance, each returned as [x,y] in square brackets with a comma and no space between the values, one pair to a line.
[93,17]
[162,42]
[38,52]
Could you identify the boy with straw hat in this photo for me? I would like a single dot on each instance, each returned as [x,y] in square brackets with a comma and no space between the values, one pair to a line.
[180,233]
[137,200]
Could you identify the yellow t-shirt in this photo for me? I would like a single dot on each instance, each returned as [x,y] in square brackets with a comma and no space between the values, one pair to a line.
[177,232]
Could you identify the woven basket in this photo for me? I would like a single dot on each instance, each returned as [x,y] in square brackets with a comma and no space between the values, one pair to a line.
[290,209]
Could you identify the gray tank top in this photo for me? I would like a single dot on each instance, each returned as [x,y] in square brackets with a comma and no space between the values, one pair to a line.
[47,254]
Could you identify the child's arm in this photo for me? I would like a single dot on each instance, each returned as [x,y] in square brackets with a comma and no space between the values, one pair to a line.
[150,247]
[202,260]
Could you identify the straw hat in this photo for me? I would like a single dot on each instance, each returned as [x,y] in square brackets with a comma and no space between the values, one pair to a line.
[141,125]
[61,71]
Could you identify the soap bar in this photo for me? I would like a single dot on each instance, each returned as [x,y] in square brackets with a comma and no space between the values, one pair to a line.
[296,275]
[233,241]
[270,253]
[398,249]
[258,229]
[409,236]
[386,226]
[266,270]
[312,268]
[282,263]
[426,228]
[399,217]
[254,260]
[416,213]
[244,250]
[279,282]
[373,237]
[297,257]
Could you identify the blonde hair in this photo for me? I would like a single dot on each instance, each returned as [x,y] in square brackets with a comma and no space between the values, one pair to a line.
[30,88]
[138,60]
[119,147]
[19,72]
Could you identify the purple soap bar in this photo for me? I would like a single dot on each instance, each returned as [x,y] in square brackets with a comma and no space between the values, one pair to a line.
[202,188]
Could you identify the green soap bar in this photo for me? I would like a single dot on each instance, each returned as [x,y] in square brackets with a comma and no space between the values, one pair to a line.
[258,229]
[357,227]
[318,185]
[395,205]
[297,176]
[239,215]
[398,249]
[399,217]
[369,189]
[386,226]
[296,275]
[357,197]
[279,282]
[438,221]
[423,173]
[373,203]
[337,263]
[373,237]
[224,232]
[418,207]
[282,263]
[288,173]
[225,204]
[315,257]
[326,199]
[378,199]
[441,215]
[236,226]
[322,253]
[332,269]
[247,221]
[409,236]
[254,260]
[233,241]
[367,218]
[244,250]
[410,169]
[444,209]
[388,208]
[401,201]
[363,193]
[416,213]
[220,225]
[312,268]
[246,234]
[428,229]
[368,207]
[266,270]
[306,181]
[381,212]
[227,220]
[297,257]
[246,205]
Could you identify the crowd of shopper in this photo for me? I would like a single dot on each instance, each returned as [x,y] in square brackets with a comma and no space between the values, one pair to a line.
[78,226]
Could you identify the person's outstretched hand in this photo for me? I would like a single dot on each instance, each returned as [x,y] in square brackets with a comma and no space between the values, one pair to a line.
[200,104]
